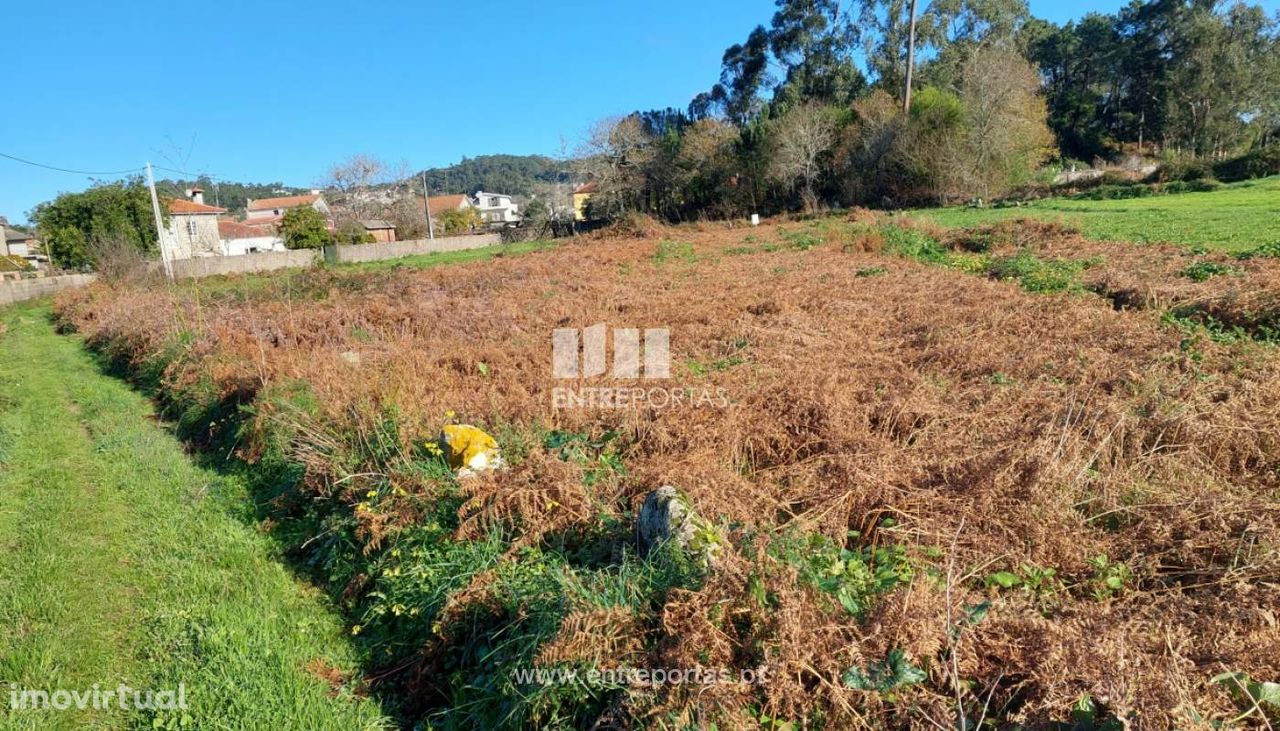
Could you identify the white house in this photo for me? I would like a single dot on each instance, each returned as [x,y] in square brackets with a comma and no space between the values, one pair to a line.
[496,208]
[270,210]
[245,238]
[193,227]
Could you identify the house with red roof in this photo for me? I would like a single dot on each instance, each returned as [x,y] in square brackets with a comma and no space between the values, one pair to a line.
[271,210]
[242,237]
[193,226]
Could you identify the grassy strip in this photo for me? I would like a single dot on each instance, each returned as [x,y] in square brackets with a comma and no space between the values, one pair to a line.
[1034,274]
[121,564]
[1234,218]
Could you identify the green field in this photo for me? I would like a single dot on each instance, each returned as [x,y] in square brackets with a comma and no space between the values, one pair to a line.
[1234,218]
[123,561]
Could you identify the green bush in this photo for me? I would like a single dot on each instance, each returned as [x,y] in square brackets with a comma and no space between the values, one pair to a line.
[1115,192]
[1204,270]
[1040,275]
[1256,164]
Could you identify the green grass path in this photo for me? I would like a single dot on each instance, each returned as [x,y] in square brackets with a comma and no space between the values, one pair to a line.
[1233,218]
[121,562]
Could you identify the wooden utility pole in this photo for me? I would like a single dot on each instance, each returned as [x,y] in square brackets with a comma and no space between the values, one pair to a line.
[911,60]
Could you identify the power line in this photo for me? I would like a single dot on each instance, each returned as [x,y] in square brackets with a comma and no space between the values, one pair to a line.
[68,170]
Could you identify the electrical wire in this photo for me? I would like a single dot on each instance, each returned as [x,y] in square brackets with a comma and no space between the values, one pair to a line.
[68,170]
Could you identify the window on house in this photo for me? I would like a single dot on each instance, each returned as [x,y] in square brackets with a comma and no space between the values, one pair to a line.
[191,227]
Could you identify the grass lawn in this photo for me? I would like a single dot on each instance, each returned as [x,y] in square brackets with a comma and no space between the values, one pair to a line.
[426,261]
[121,561]
[1234,218]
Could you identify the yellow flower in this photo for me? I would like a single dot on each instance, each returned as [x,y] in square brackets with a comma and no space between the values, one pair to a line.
[355,630]
[449,414]
[371,494]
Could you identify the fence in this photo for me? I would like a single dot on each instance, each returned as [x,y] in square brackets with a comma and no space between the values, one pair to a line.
[27,289]
[209,266]
[398,249]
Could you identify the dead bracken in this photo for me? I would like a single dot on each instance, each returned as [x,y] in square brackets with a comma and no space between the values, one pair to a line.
[940,494]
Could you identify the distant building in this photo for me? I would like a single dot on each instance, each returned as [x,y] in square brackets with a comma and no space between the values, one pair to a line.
[271,210]
[245,238]
[18,243]
[497,209]
[438,204]
[381,231]
[193,226]
[581,195]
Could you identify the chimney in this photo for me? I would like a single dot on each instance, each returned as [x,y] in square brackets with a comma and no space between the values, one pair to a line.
[196,195]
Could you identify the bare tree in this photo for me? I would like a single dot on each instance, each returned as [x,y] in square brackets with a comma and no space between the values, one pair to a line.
[805,133]
[352,181]
[614,156]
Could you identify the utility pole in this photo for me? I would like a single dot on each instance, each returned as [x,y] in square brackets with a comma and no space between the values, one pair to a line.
[161,238]
[911,60]
[426,203]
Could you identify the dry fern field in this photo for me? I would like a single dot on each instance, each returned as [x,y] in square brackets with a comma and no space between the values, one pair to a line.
[994,478]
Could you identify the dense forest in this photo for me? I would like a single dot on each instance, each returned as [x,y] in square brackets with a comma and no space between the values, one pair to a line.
[815,108]
[511,174]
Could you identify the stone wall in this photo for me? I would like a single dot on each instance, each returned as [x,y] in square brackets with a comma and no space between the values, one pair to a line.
[28,289]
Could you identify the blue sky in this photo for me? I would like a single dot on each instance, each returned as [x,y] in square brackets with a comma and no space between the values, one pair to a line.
[266,91]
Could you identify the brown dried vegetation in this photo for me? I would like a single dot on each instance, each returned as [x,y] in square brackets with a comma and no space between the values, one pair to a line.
[999,429]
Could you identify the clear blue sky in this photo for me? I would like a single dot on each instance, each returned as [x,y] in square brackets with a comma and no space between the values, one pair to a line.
[271,90]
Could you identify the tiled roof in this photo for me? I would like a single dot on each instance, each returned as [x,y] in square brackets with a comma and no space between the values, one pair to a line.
[288,201]
[375,224]
[238,230]
[585,188]
[182,205]
[13,234]
[437,203]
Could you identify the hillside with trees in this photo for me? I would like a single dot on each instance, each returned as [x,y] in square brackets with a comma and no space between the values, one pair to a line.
[815,108]
[510,174]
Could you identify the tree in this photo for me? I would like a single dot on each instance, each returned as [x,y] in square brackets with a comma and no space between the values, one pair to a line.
[805,134]
[615,155]
[353,180]
[303,227]
[1006,137]
[73,224]
[814,40]
[459,220]
[352,232]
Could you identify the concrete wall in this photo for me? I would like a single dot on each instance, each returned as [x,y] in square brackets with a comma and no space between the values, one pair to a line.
[397,249]
[27,289]
[208,266]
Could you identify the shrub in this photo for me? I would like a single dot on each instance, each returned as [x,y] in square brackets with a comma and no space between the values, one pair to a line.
[1039,275]
[1256,164]
[303,228]
[1184,171]
[1191,186]
[1204,270]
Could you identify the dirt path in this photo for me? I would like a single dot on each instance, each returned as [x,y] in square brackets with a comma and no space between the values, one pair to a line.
[122,563]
